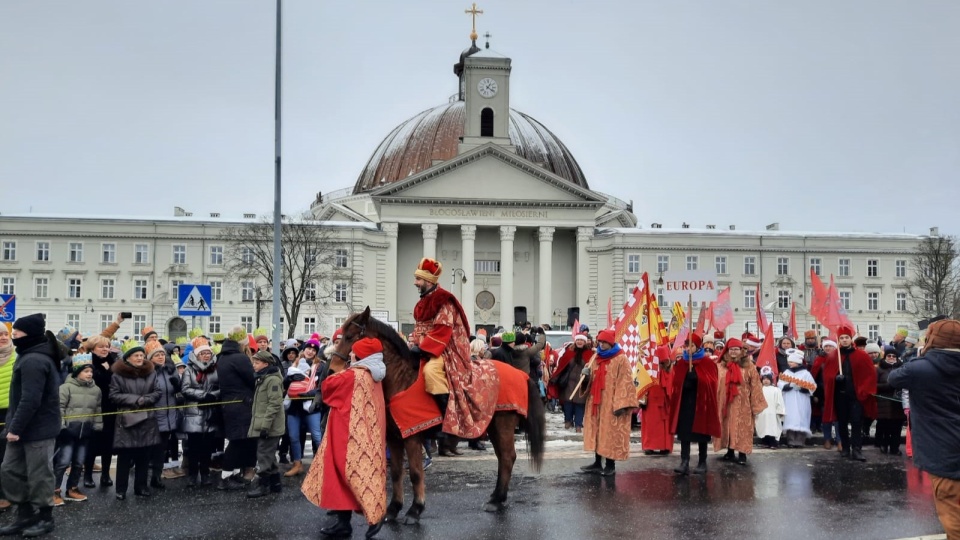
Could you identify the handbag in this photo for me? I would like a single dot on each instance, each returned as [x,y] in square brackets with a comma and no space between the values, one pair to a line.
[306,385]
[133,418]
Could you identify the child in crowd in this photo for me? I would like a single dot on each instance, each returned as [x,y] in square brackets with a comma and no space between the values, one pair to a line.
[770,420]
[80,410]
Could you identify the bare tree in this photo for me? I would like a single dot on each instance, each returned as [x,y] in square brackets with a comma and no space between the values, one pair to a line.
[935,282]
[314,262]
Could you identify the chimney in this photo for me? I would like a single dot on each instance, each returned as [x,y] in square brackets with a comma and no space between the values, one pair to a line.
[773,227]
[711,227]
[685,225]
[214,214]
[934,231]
[656,226]
[179,212]
[733,227]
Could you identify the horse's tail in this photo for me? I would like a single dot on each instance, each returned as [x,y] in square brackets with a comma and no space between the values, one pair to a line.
[535,425]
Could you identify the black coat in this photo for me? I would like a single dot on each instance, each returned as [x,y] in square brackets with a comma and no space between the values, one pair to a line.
[128,386]
[934,384]
[237,382]
[887,408]
[34,410]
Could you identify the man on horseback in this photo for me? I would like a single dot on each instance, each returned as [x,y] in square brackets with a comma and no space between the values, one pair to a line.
[465,391]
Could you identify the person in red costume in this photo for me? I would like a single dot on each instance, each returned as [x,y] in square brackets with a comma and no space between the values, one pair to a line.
[849,385]
[694,415]
[655,436]
[466,391]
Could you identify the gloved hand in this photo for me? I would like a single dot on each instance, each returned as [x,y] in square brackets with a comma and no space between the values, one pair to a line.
[418,352]
[787,388]
[586,372]
[264,434]
[209,398]
[804,391]
[174,382]
[140,401]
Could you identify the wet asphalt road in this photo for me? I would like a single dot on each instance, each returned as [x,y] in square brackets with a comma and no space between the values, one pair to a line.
[807,494]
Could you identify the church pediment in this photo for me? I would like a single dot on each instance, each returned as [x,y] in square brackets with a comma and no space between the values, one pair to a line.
[488,174]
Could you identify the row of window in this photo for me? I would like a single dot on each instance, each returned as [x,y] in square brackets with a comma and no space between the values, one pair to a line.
[108,289]
[141,254]
[692,262]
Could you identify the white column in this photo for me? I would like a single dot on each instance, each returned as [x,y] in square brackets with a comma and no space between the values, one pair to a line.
[468,234]
[429,240]
[390,283]
[507,233]
[584,235]
[544,302]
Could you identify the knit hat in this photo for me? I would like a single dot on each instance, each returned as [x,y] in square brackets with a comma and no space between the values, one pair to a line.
[828,342]
[31,325]
[131,346]
[496,341]
[795,356]
[508,337]
[81,362]
[888,350]
[943,334]
[607,336]
[147,332]
[662,353]
[338,334]
[429,270]
[265,357]
[751,340]
[810,334]
[68,336]
[845,330]
[153,347]
[734,342]
[872,348]
[913,337]
[766,372]
[581,337]
[367,346]
[313,344]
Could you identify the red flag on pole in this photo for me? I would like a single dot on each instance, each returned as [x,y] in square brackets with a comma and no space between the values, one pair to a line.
[793,321]
[722,311]
[835,315]
[818,297]
[761,316]
[767,356]
[575,329]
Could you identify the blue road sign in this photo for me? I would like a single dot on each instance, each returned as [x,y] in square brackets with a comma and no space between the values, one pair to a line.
[8,308]
[194,300]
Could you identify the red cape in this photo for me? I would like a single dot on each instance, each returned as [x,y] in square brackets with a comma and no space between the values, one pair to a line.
[706,419]
[655,422]
[864,377]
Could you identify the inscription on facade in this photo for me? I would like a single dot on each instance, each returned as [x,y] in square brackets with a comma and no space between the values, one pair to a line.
[489,213]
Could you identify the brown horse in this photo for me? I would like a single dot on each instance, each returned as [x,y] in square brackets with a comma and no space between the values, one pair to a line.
[402,371]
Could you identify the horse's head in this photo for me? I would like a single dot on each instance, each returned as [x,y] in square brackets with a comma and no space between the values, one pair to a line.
[354,328]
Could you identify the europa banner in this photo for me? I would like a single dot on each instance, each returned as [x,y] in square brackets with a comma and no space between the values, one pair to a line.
[679,285]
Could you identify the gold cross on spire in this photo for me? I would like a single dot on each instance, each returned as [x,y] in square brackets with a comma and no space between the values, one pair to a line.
[473,12]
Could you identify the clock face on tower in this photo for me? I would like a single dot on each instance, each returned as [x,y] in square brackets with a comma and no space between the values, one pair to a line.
[487,87]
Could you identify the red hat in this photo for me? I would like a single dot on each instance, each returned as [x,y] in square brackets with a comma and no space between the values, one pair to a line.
[734,342]
[750,340]
[338,334]
[696,339]
[367,346]
[429,270]
[662,352]
[718,335]
[608,336]
[845,330]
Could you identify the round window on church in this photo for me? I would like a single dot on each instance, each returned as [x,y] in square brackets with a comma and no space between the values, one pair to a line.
[485,300]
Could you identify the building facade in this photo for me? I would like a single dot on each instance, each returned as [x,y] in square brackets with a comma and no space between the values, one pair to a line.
[487,190]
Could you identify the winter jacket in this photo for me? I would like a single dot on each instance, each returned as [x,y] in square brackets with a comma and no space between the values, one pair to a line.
[102,377]
[80,399]
[267,411]
[134,388]
[237,383]
[200,385]
[168,383]
[8,358]
[531,358]
[934,383]
[34,407]
[888,406]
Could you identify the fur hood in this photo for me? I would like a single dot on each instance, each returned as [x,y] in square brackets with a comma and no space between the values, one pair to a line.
[126,370]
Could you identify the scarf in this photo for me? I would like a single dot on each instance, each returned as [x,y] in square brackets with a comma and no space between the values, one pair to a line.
[5,354]
[25,343]
[599,382]
[734,380]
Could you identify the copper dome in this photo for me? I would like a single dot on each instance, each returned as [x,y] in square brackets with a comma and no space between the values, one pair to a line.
[434,134]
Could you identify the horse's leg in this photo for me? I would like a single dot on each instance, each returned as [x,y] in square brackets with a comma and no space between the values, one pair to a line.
[501,436]
[395,443]
[414,448]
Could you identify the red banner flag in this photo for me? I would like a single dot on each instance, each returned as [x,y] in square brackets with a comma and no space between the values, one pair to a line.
[793,322]
[767,355]
[575,329]
[761,316]
[835,315]
[722,311]
[818,296]
[701,320]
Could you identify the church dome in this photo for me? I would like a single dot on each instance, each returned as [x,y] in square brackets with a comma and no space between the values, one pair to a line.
[434,135]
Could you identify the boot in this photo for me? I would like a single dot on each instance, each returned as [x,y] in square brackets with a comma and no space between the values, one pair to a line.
[259,488]
[443,400]
[448,446]
[701,465]
[234,482]
[567,425]
[44,524]
[857,454]
[295,470]
[205,480]
[610,469]
[157,483]
[341,527]
[742,459]
[594,467]
[828,444]
[845,453]
[372,530]
[26,517]
[729,456]
[275,485]
[684,468]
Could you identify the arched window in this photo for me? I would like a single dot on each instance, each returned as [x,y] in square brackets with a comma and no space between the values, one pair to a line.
[486,122]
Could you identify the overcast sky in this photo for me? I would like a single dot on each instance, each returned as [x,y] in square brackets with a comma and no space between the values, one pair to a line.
[822,115]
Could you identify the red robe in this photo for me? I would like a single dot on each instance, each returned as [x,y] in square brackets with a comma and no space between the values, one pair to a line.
[442,330]
[706,420]
[655,418]
[864,379]
[350,470]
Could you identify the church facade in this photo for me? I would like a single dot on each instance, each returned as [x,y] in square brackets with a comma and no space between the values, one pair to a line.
[546,247]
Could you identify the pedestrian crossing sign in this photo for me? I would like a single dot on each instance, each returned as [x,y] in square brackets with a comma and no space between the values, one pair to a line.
[194,300]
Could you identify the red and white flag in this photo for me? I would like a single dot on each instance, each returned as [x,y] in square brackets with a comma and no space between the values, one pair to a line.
[722,311]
